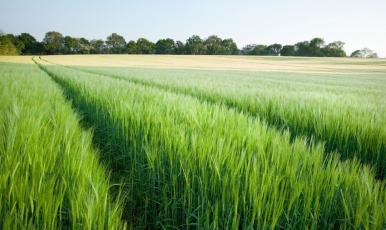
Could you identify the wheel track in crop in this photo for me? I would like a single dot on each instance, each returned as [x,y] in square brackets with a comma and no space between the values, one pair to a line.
[348,150]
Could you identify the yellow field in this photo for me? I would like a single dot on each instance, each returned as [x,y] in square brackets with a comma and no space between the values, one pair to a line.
[247,63]
[17,59]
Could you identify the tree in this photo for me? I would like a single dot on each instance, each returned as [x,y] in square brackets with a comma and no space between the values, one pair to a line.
[368,53]
[373,55]
[97,46]
[84,46]
[259,50]
[179,47]
[7,47]
[53,42]
[16,42]
[303,49]
[274,49]
[356,54]
[39,48]
[165,46]
[116,43]
[313,48]
[364,53]
[131,47]
[287,50]
[334,49]
[253,49]
[71,45]
[213,45]
[194,45]
[246,50]
[31,46]
[230,47]
[195,39]
[145,46]
[316,46]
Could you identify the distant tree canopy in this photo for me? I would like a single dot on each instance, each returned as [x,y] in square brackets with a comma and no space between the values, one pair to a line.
[55,43]
[132,47]
[317,48]
[364,53]
[194,45]
[115,44]
[314,48]
[7,47]
[165,46]
[97,46]
[230,47]
[274,49]
[145,46]
[288,50]
[179,47]
[213,45]
[31,46]
[22,44]
[19,45]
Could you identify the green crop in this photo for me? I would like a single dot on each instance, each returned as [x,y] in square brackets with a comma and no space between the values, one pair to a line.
[345,112]
[50,176]
[193,164]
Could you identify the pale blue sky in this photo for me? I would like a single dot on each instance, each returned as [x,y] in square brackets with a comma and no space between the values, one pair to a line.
[357,23]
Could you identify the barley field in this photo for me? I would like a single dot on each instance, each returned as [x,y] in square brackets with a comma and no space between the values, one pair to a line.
[192,142]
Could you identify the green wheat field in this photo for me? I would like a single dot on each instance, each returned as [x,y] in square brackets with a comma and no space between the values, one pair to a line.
[192,142]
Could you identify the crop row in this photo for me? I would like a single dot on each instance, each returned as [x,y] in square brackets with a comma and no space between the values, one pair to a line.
[50,177]
[346,113]
[197,165]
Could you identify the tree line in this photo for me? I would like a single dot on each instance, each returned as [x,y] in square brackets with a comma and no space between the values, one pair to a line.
[55,43]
